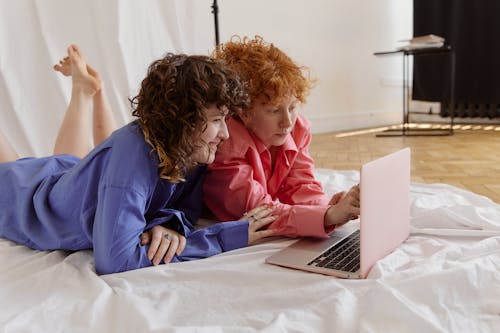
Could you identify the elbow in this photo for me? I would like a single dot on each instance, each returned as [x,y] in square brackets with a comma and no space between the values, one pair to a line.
[110,264]
[103,267]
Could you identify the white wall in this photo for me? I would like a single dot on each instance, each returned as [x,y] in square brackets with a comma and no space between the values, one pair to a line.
[336,39]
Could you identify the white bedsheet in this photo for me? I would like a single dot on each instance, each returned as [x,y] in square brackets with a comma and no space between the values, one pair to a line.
[444,278]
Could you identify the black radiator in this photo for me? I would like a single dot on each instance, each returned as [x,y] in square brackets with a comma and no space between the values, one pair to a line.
[471,110]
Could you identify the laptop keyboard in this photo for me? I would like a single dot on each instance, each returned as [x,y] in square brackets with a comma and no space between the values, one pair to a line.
[342,256]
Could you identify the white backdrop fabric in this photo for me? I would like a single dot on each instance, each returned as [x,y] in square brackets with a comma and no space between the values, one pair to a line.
[119,38]
[444,278]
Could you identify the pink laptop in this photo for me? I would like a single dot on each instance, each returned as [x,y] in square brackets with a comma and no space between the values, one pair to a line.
[384,224]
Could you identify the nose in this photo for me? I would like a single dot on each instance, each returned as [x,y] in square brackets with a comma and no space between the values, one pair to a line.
[223,131]
[286,120]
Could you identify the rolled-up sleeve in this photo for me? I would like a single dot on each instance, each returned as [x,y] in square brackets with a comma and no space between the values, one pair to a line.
[119,221]
[245,193]
[218,238]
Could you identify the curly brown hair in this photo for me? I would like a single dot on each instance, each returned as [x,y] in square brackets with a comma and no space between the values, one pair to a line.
[171,106]
[265,68]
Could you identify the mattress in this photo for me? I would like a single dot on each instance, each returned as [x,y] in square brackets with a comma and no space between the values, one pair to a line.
[443,278]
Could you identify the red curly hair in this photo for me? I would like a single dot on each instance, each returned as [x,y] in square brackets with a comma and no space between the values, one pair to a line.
[265,69]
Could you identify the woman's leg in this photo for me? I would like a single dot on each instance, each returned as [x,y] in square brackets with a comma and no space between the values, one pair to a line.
[73,136]
[87,85]
[7,153]
[103,121]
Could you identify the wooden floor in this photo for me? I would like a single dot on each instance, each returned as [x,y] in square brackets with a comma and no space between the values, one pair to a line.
[469,159]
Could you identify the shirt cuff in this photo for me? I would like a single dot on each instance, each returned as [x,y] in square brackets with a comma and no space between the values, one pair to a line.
[310,220]
[234,235]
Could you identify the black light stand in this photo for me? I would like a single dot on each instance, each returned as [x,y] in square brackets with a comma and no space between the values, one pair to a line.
[215,11]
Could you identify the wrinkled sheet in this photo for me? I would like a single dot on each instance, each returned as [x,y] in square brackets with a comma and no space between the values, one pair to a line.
[444,278]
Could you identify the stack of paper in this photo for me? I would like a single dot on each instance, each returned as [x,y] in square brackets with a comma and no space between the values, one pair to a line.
[422,42]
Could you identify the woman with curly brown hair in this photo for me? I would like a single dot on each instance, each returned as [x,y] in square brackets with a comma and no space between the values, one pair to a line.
[266,159]
[147,174]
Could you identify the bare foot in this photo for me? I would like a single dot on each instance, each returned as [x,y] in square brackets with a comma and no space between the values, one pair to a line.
[64,66]
[85,78]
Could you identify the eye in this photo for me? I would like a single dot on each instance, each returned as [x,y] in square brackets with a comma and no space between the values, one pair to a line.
[219,119]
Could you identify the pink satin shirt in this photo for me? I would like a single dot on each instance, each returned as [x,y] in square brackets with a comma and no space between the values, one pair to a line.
[242,178]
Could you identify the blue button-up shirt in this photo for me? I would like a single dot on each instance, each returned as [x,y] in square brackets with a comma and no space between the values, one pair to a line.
[104,202]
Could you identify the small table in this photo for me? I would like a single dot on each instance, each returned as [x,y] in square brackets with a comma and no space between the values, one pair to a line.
[406,130]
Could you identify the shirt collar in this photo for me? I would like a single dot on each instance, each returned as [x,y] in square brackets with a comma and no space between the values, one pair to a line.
[288,147]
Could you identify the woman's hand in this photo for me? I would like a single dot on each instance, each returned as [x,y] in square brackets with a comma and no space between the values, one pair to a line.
[258,218]
[336,198]
[345,207]
[165,243]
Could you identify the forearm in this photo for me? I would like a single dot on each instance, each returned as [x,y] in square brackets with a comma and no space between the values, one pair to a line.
[126,260]
[300,220]
[293,220]
[118,224]
[218,238]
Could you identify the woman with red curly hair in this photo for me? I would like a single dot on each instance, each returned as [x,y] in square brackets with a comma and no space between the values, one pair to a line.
[266,159]
[146,175]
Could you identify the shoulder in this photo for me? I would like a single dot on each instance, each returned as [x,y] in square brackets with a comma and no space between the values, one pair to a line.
[301,132]
[303,123]
[130,133]
[239,140]
[131,161]
[128,141]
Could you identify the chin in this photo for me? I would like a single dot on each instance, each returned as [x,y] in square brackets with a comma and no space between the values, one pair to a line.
[204,157]
[207,159]
[210,160]
[278,142]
